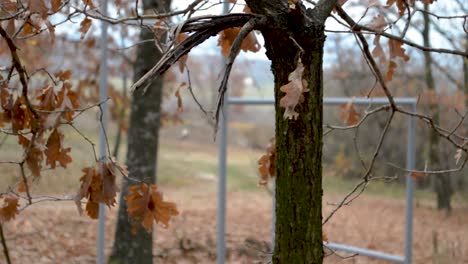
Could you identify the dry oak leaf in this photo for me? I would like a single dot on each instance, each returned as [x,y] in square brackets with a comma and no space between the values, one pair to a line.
[396,50]
[266,163]
[67,100]
[84,27]
[8,207]
[145,204]
[227,37]
[180,106]
[38,6]
[294,92]
[98,185]
[21,115]
[349,114]
[34,154]
[55,151]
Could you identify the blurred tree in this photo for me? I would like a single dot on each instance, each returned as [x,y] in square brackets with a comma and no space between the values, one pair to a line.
[143,136]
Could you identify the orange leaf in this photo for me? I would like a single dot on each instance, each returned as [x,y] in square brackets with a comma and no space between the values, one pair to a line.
[417,175]
[349,114]
[294,92]
[8,208]
[55,152]
[145,204]
[84,27]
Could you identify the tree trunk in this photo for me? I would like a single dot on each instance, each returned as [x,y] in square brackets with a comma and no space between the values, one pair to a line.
[143,135]
[298,158]
[441,182]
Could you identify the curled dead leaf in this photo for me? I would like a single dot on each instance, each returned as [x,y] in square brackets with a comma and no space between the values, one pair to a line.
[349,114]
[145,204]
[266,163]
[294,90]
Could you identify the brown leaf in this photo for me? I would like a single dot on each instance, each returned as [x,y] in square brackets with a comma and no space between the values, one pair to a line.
[38,6]
[266,163]
[8,207]
[64,75]
[21,115]
[396,50]
[417,174]
[390,71]
[400,4]
[56,4]
[294,92]
[55,152]
[378,51]
[349,114]
[67,100]
[228,36]
[21,187]
[34,154]
[98,186]
[84,27]
[145,204]
[88,3]
[180,106]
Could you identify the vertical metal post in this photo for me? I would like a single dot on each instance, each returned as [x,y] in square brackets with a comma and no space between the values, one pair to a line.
[410,165]
[102,139]
[221,227]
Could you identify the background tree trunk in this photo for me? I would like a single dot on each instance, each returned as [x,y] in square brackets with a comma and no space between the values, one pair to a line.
[441,182]
[143,135]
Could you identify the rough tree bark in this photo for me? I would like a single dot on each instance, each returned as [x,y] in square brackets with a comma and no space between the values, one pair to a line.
[441,182]
[293,34]
[143,135]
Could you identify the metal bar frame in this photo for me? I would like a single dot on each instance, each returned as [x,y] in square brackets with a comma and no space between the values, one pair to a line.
[103,83]
[410,165]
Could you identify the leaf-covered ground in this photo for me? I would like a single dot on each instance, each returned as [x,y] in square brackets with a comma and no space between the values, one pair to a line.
[54,233]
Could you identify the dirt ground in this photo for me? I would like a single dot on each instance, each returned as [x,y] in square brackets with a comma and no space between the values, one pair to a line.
[54,233]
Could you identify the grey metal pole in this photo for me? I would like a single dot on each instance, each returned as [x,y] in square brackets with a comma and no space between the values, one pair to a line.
[221,227]
[102,138]
[410,165]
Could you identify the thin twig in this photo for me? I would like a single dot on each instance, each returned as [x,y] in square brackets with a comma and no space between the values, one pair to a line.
[4,244]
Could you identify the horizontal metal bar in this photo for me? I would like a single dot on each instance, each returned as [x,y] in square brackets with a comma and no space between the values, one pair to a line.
[327,100]
[365,252]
